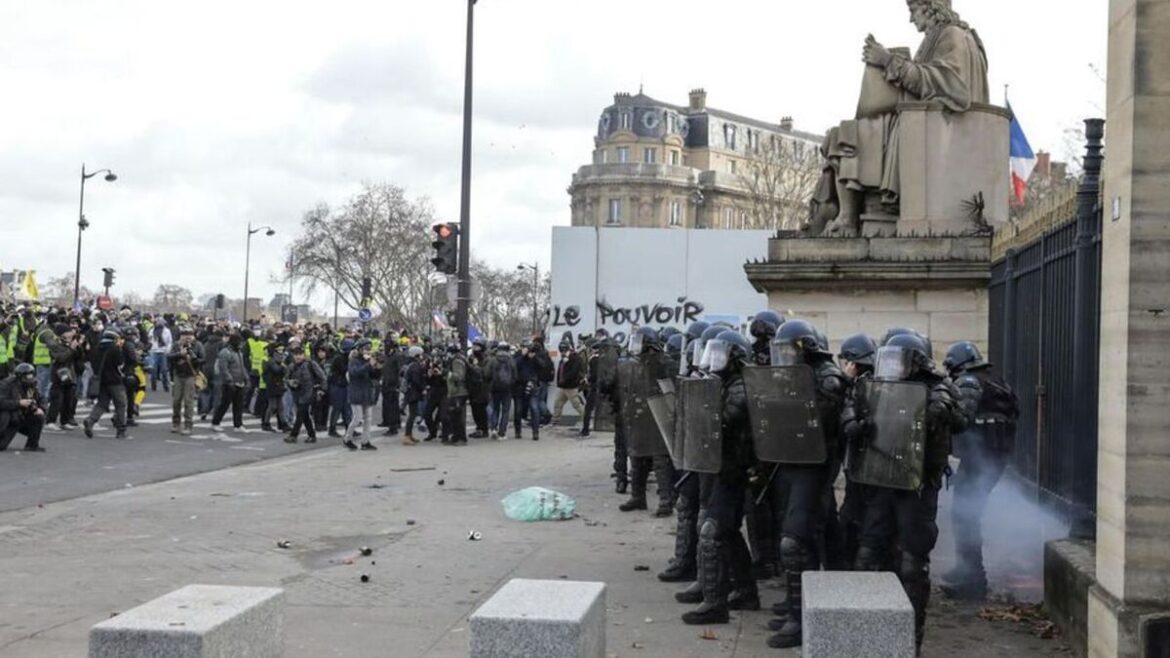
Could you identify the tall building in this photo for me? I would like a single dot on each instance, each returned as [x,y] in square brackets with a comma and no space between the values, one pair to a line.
[659,165]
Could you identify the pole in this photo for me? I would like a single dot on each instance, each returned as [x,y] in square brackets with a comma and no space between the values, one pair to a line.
[464,282]
[535,297]
[80,229]
[335,323]
[247,266]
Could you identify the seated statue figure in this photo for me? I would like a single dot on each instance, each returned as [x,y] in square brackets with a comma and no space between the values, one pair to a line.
[861,172]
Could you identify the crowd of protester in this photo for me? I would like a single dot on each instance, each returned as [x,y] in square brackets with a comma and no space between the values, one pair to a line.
[290,378]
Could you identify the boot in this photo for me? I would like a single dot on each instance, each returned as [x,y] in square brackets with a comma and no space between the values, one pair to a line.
[622,483]
[795,557]
[744,599]
[408,440]
[291,438]
[682,567]
[188,428]
[677,572]
[634,503]
[121,434]
[714,609]
[87,427]
[174,428]
[692,594]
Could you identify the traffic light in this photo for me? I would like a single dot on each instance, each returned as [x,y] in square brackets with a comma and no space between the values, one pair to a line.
[109,277]
[446,246]
[365,290]
[219,301]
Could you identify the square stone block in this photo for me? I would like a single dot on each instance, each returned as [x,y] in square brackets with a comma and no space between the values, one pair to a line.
[197,621]
[856,615]
[526,618]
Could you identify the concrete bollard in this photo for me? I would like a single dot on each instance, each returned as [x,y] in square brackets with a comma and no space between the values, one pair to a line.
[526,618]
[856,615]
[197,621]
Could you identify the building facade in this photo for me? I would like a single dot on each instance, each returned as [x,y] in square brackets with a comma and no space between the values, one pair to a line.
[658,165]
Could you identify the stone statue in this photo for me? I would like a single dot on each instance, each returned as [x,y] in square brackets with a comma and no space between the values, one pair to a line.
[861,172]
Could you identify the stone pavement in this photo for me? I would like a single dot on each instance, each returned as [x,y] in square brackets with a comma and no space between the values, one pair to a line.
[68,565]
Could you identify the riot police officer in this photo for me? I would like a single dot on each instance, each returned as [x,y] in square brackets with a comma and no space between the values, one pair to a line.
[856,359]
[809,459]
[899,428]
[638,375]
[991,408]
[724,558]
[683,565]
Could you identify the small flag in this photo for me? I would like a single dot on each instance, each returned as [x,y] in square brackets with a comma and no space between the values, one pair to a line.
[473,332]
[1023,161]
[437,320]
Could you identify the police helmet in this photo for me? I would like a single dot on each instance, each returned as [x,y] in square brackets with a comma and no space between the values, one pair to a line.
[916,345]
[727,349]
[666,333]
[963,355]
[800,334]
[696,329]
[898,331]
[765,324]
[26,373]
[858,348]
[675,344]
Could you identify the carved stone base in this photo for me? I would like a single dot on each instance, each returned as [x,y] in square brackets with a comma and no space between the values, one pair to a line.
[879,226]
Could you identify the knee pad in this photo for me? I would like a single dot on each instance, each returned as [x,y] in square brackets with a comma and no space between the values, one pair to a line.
[708,530]
[793,554]
[914,569]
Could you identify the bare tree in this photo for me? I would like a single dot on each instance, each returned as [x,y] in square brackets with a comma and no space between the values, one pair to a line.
[171,298]
[505,310]
[59,290]
[379,233]
[780,179]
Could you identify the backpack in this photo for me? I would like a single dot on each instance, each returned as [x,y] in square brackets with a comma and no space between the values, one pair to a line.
[999,398]
[502,378]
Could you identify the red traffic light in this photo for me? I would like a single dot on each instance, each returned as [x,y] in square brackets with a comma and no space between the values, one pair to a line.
[444,231]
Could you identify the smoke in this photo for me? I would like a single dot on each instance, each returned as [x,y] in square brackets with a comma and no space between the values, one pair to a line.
[1015,529]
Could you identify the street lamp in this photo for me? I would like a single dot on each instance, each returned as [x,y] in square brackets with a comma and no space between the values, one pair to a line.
[535,267]
[82,224]
[248,259]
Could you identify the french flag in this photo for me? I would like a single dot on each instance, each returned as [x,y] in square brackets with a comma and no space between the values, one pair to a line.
[1022,159]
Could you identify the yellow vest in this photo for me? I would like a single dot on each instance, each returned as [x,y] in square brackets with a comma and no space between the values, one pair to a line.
[376,345]
[41,356]
[4,355]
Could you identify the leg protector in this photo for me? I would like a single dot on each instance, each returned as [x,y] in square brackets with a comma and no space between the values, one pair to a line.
[915,575]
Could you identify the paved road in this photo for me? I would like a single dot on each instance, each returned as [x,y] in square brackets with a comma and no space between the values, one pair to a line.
[75,466]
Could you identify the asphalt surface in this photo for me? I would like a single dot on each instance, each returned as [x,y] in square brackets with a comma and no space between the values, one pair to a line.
[74,466]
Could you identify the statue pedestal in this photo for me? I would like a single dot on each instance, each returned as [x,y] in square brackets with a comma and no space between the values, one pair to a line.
[937,285]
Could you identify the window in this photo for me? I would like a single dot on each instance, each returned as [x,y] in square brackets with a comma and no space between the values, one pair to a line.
[623,154]
[626,120]
[754,140]
[675,213]
[601,157]
[674,158]
[743,219]
[731,166]
[729,135]
[728,218]
[615,211]
[798,149]
[671,123]
[649,155]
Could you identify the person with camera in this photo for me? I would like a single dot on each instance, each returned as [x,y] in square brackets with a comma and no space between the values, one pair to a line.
[436,401]
[110,360]
[185,360]
[306,381]
[363,375]
[21,410]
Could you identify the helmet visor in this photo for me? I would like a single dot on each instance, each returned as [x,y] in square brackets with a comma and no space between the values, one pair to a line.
[636,342]
[784,354]
[893,363]
[716,355]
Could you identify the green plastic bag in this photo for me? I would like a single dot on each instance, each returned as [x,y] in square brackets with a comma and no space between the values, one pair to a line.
[538,504]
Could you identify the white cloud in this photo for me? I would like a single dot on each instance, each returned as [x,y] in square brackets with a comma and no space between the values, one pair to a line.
[221,113]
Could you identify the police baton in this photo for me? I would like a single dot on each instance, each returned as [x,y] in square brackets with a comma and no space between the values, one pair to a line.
[760,498]
[682,480]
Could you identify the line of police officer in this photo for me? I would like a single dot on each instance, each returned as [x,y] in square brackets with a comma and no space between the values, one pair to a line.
[759,430]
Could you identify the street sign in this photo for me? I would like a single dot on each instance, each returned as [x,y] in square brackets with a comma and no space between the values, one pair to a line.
[365,315]
[453,291]
[104,302]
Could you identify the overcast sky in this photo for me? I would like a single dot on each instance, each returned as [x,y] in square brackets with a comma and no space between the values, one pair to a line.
[218,113]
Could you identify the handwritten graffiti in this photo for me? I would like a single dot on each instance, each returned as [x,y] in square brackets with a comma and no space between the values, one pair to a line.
[683,312]
[569,317]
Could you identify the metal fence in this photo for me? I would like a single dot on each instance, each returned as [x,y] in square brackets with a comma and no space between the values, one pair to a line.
[1044,335]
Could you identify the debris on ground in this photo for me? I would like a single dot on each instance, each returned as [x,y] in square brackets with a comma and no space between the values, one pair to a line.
[538,504]
[708,634]
[637,645]
[1031,615]
[473,535]
[410,522]
[365,577]
[442,482]
[377,485]
[366,551]
[641,567]
[412,470]
[283,543]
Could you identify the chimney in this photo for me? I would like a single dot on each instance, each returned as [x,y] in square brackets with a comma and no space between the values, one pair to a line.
[699,99]
[786,124]
[621,98]
[1043,165]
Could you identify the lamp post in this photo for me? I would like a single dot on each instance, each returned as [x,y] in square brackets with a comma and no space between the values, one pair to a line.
[82,224]
[463,279]
[535,267]
[248,260]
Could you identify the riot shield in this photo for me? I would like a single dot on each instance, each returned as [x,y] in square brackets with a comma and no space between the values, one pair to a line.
[607,359]
[643,438]
[662,409]
[698,410]
[782,408]
[893,456]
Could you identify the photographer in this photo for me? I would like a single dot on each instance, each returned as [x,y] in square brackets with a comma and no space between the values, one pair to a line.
[185,360]
[110,360]
[63,391]
[363,374]
[436,400]
[21,411]
[306,381]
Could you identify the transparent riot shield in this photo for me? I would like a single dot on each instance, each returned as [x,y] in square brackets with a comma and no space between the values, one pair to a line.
[893,455]
[698,411]
[662,409]
[643,438]
[782,408]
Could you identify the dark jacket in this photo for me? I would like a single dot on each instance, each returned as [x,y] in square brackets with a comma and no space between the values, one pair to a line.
[109,363]
[11,393]
[210,354]
[527,373]
[546,372]
[185,365]
[305,379]
[392,369]
[339,369]
[362,377]
[569,371]
[738,449]
[416,381]
[274,373]
[478,391]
